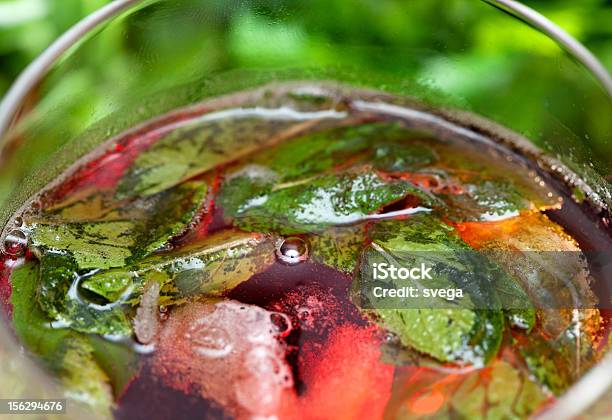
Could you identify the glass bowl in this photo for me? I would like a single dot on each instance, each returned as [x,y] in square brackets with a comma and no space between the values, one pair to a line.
[497,62]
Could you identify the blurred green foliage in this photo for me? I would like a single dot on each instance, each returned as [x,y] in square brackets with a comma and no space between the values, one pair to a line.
[462,53]
[28,26]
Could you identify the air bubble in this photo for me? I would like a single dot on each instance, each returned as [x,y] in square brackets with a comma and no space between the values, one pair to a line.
[15,243]
[391,338]
[303,314]
[282,323]
[292,251]
[163,313]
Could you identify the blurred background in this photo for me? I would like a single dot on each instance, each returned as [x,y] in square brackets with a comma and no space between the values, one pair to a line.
[28,26]
[459,53]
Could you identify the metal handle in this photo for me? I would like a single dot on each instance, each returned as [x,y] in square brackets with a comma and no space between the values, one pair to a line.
[565,40]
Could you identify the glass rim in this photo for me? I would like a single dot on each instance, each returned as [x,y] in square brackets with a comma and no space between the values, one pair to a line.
[584,392]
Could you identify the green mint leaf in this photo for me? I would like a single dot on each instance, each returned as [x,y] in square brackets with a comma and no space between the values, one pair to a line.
[487,200]
[558,362]
[127,233]
[458,333]
[540,256]
[111,286]
[324,201]
[64,352]
[338,247]
[211,140]
[171,214]
[395,156]
[120,363]
[251,184]
[209,267]
[445,334]
[470,182]
[93,245]
[59,297]
[500,391]
[315,153]
[70,251]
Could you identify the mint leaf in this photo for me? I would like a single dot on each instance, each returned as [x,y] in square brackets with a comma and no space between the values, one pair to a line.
[445,334]
[424,238]
[315,153]
[544,260]
[111,286]
[249,185]
[58,297]
[173,211]
[395,156]
[72,250]
[64,352]
[324,201]
[127,232]
[338,247]
[558,362]
[31,324]
[470,182]
[92,245]
[486,200]
[209,267]
[455,332]
[500,391]
[211,140]
[120,363]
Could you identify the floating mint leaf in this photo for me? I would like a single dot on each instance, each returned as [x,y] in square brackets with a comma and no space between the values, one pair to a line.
[403,157]
[250,184]
[469,181]
[31,323]
[318,152]
[445,334]
[172,212]
[338,247]
[66,353]
[487,200]
[469,329]
[71,250]
[58,297]
[209,267]
[500,391]
[211,140]
[327,200]
[110,286]
[98,205]
[93,245]
[544,260]
[84,378]
[125,233]
[425,238]
[120,362]
[559,362]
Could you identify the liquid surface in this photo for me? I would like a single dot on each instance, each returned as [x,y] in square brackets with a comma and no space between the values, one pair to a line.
[212,263]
